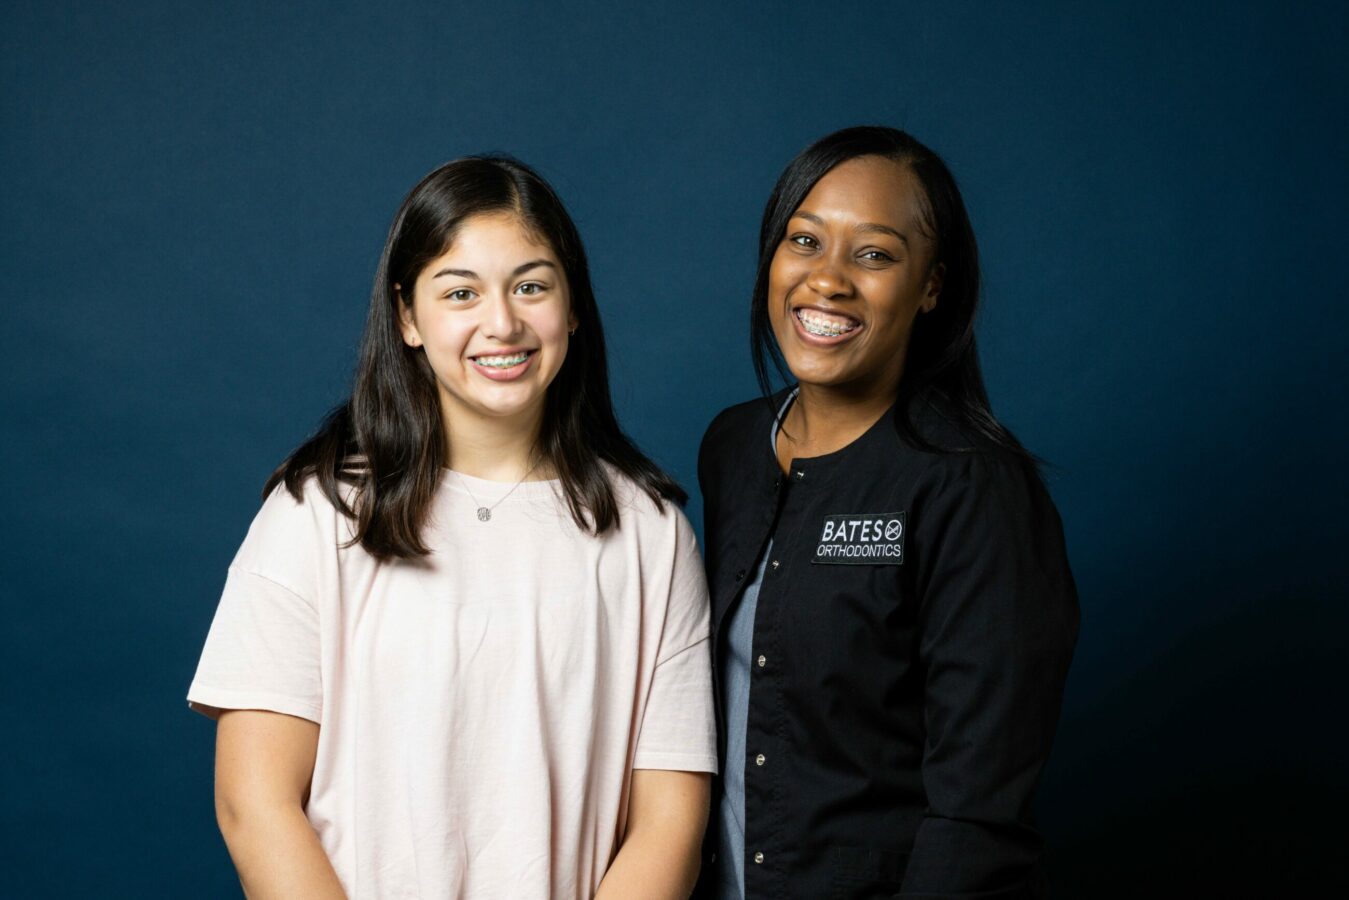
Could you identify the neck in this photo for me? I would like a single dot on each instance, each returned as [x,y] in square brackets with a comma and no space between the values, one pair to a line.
[496,449]
[825,419]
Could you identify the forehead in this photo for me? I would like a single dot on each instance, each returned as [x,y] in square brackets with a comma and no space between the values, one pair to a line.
[501,238]
[868,189]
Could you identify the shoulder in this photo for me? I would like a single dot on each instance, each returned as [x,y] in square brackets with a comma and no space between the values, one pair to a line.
[986,535]
[284,510]
[988,473]
[287,528]
[931,421]
[958,456]
[640,508]
[735,423]
[983,496]
[737,427]
[655,526]
[662,562]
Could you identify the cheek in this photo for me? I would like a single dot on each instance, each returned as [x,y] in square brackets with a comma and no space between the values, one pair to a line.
[554,329]
[445,339]
[897,312]
[782,273]
[551,325]
[450,333]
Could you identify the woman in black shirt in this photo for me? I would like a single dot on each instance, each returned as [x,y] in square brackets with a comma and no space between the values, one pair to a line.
[892,601]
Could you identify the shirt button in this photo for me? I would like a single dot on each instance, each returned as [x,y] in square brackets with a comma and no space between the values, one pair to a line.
[799,475]
[758,857]
[760,760]
[763,661]
[776,563]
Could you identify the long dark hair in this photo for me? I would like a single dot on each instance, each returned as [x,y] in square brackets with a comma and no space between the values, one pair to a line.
[942,367]
[388,441]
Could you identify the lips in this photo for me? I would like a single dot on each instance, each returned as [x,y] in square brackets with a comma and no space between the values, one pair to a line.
[507,365]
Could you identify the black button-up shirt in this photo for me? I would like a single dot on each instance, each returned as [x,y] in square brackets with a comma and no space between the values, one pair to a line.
[913,633]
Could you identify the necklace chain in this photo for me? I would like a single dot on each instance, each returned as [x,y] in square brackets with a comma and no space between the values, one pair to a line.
[485,512]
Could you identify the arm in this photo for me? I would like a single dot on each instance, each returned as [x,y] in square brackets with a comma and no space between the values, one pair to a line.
[264,762]
[998,623]
[667,812]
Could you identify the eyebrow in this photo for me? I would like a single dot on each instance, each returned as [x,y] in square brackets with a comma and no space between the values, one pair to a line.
[517,272]
[864,228]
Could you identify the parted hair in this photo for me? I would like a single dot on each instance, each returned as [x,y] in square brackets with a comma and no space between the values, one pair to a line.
[387,440]
[942,364]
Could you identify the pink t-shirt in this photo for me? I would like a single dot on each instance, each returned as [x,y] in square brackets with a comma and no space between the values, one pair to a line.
[482,710]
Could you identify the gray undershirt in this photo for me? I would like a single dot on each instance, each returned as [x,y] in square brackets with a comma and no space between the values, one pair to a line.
[734,664]
[736,656]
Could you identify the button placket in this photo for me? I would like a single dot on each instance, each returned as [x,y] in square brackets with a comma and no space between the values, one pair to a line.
[763,778]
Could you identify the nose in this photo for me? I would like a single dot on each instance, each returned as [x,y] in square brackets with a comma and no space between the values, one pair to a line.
[829,279]
[500,321]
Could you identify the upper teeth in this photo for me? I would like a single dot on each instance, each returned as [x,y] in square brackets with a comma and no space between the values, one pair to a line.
[824,326]
[503,362]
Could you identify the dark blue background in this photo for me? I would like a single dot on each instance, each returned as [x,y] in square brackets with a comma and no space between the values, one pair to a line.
[194,199]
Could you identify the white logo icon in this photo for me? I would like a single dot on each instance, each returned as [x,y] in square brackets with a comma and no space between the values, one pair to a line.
[892,529]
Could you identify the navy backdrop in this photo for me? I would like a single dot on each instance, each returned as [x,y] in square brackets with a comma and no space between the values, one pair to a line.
[194,199]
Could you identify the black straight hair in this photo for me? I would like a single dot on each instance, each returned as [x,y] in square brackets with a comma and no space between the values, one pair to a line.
[942,366]
[388,440]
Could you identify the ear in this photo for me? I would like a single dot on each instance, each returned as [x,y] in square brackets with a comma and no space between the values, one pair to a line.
[407,323]
[935,279]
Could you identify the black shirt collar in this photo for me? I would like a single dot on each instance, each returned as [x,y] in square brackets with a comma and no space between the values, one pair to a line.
[880,438]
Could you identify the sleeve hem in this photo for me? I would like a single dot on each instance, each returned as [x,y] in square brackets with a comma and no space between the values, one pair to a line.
[210,702]
[697,643]
[676,762]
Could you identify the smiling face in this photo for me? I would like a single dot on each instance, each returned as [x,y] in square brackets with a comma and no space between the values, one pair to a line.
[492,314]
[851,274]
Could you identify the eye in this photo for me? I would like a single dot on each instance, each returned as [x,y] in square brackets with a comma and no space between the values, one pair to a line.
[462,295]
[876,256]
[804,240]
[530,288]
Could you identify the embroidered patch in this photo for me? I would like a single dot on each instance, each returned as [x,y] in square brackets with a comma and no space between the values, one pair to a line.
[863,539]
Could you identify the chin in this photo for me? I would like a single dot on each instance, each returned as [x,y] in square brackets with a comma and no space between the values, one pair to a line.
[503,404]
[504,409]
[826,375]
[821,381]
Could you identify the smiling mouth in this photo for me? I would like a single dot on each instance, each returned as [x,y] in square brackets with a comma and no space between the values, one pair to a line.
[823,324]
[502,360]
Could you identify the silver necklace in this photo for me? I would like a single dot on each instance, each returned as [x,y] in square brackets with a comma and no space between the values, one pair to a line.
[485,512]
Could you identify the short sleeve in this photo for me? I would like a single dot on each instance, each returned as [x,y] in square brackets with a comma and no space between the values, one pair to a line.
[678,728]
[263,649]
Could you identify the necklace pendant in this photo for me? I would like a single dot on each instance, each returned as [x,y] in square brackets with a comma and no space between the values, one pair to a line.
[484,514]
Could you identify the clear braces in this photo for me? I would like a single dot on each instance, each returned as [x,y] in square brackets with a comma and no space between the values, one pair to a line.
[822,330]
[502,362]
